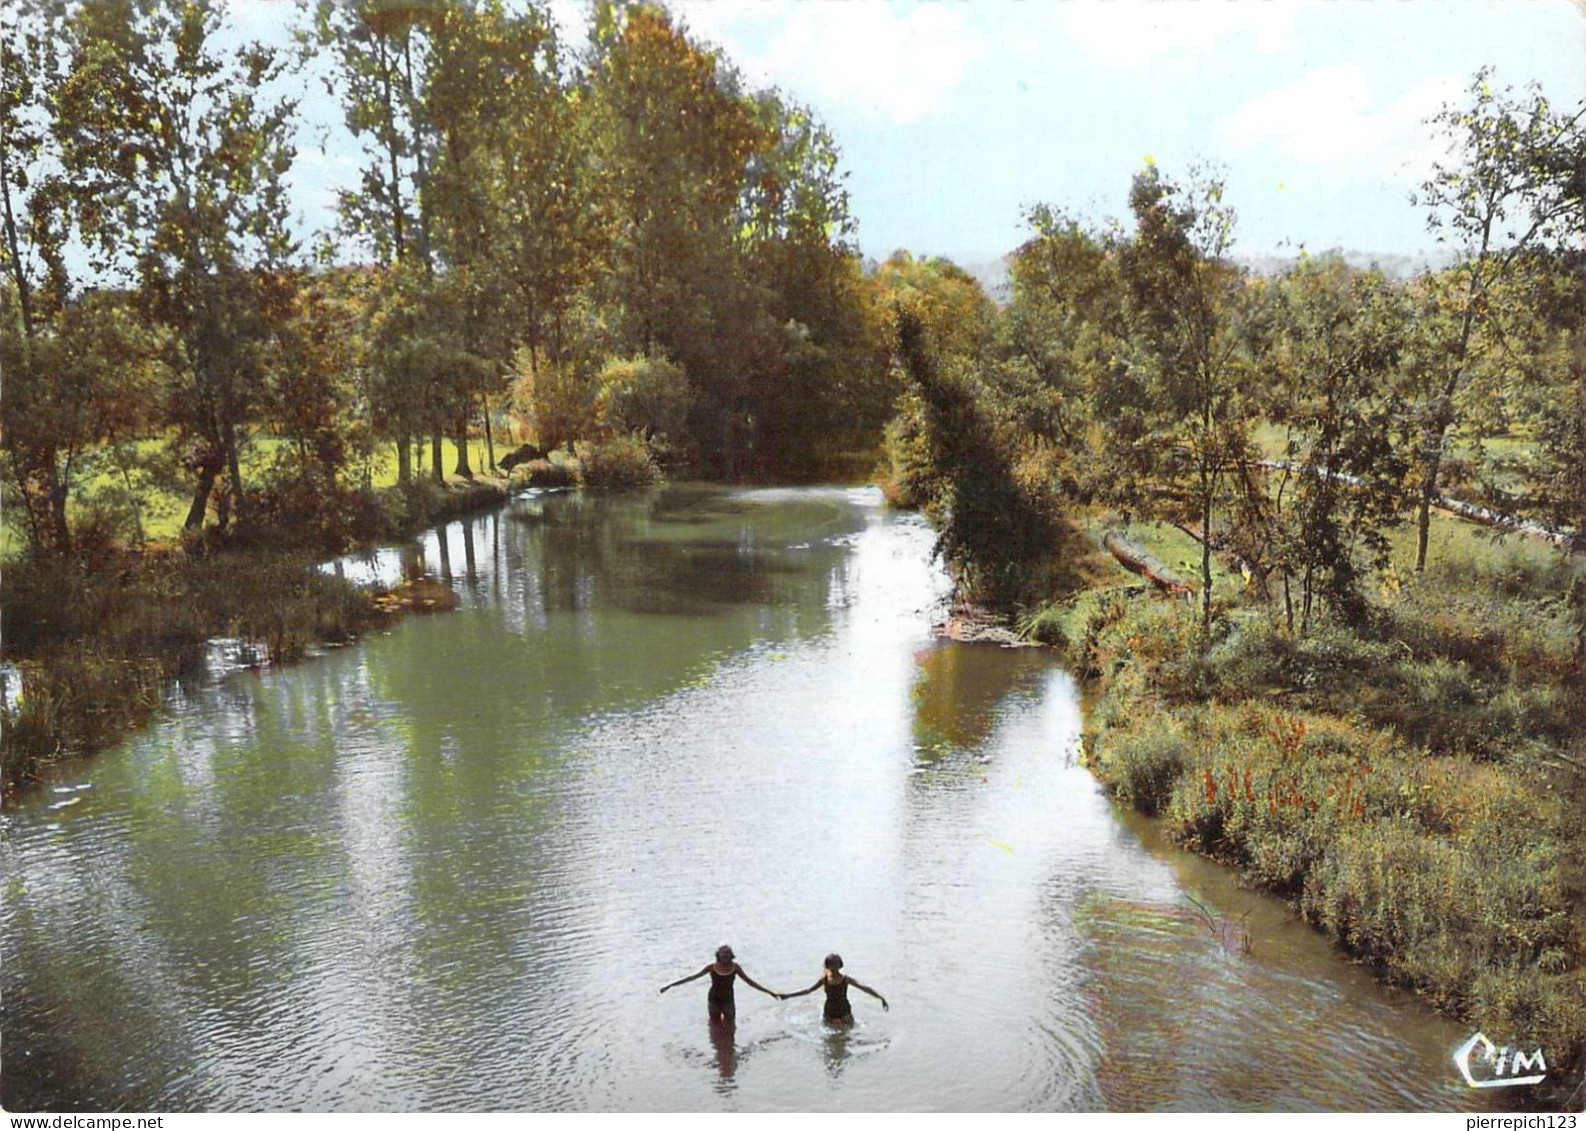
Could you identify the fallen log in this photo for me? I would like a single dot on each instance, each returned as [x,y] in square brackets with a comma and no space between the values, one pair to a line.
[1137,561]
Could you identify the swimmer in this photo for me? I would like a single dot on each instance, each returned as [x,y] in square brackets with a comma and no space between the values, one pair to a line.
[836,983]
[722,972]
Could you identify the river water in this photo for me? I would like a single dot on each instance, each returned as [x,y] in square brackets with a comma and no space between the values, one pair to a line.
[449,868]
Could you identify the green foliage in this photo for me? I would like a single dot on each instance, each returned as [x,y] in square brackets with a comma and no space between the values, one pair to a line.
[1444,871]
[645,395]
[99,633]
[1509,190]
[1000,525]
[1331,348]
[1141,766]
[545,473]
[617,463]
[555,401]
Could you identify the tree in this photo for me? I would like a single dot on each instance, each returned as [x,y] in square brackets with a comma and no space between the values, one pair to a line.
[87,376]
[1061,341]
[35,233]
[176,148]
[952,306]
[1331,360]
[382,54]
[646,396]
[829,390]
[671,137]
[1183,301]
[1509,187]
[999,523]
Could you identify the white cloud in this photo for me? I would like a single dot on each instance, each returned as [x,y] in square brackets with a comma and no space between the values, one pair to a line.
[1327,121]
[1136,33]
[899,62]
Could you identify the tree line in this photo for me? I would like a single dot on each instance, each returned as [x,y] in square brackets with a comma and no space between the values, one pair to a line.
[616,240]
[1288,422]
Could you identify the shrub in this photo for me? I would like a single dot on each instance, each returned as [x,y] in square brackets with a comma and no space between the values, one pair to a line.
[544,473]
[642,395]
[1141,764]
[98,641]
[623,462]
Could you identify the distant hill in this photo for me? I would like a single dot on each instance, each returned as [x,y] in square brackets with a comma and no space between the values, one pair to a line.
[993,276]
[1391,264]
[993,273]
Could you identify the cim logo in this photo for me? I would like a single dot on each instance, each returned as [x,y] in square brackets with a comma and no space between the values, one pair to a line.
[1507,1064]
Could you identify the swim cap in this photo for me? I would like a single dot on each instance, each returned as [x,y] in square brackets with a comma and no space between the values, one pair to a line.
[724,953]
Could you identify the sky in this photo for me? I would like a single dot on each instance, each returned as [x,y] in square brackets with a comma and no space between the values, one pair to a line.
[954,116]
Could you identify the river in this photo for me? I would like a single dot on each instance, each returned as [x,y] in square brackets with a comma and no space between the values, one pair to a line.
[448,868]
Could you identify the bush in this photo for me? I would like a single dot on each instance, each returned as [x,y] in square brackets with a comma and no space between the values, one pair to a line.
[304,509]
[1141,764]
[543,473]
[74,701]
[617,464]
[1447,871]
[642,395]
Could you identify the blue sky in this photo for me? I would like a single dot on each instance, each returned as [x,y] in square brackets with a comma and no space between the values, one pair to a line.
[953,115]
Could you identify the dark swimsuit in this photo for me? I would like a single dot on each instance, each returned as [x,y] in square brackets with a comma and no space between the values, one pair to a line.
[837,1007]
[720,997]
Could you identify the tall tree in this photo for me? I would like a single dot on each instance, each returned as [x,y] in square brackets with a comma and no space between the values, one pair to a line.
[829,390]
[1331,364]
[35,284]
[1183,303]
[176,147]
[1062,340]
[1510,186]
[384,56]
[671,138]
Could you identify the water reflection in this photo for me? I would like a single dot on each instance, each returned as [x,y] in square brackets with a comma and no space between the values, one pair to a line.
[722,1034]
[960,689]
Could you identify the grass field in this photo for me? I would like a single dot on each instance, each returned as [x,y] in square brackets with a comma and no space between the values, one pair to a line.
[123,480]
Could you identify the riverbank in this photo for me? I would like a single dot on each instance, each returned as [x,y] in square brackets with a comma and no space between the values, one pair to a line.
[98,635]
[1414,788]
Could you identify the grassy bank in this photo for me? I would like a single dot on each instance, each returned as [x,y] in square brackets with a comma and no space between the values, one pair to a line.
[98,634]
[1415,787]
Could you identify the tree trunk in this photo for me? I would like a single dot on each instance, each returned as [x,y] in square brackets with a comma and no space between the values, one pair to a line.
[137,507]
[59,530]
[437,456]
[1206,562]
[206,484]
[490,443]
[1423,518]
[234,468]
[463,468]
[404,460]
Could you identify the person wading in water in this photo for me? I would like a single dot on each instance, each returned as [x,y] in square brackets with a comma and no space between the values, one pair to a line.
[837,1011]
[722,972]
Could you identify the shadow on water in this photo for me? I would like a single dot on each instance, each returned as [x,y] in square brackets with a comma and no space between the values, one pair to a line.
[958,692]
[723,1039]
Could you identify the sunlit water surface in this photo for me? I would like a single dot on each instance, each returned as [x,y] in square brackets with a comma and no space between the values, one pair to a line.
[448,868]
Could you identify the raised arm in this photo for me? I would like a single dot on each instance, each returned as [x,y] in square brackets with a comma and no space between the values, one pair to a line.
[690,978]
[744,974]
[801,993]
[858,985]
